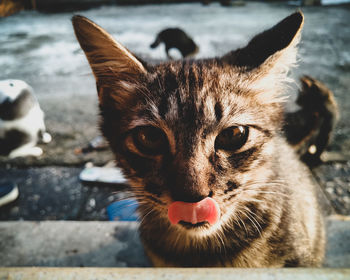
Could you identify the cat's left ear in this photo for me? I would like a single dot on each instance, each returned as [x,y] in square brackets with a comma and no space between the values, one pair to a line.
[269,55]
[116,70]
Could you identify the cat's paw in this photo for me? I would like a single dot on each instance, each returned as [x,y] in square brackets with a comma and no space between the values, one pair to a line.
[26,151]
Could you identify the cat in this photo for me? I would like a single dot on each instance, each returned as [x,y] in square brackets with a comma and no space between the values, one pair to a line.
[309,130]
[176,38]
[21,120]
[201,144]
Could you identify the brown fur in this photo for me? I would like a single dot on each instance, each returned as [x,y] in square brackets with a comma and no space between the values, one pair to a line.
[269,213]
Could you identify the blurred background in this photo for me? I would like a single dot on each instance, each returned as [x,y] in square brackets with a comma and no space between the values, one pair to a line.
[37,45]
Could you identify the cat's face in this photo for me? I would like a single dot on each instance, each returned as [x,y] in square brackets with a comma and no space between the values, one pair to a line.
[193,131]
[184,131]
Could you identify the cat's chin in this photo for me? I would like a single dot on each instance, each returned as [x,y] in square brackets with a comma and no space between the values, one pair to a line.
[197,231]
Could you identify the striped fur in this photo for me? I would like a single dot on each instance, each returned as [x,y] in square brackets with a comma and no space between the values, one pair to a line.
[269,213]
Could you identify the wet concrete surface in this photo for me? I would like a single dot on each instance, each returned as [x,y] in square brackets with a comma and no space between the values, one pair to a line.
[335,182]
[55,193]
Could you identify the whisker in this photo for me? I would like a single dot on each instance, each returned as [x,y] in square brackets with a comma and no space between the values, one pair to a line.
[264,184]
[240,219]
[269,192]
[254,222]
[220,241]
[252,213]
[282,182]
[258,186]
[144,216]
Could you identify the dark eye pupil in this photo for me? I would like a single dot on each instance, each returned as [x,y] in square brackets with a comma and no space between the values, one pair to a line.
[149,137]
[150,140]
[232,138]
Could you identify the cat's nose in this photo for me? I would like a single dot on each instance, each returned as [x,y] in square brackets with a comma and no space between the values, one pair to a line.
[189,183]
[189,197]
[190,188]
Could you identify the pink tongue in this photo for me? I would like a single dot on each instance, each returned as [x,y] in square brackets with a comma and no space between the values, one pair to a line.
[206,210]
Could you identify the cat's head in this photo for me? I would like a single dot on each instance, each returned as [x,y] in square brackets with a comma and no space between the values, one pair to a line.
[188,130]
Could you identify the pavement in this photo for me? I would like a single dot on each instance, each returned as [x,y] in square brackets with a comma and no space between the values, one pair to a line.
[56,193]
[113,244]
[171,273]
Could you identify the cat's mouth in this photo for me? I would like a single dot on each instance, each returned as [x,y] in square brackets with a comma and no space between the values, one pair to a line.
[206,211]
[188,225]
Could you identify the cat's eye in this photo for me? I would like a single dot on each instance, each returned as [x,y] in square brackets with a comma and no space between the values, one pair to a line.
[150,140]
[232,138]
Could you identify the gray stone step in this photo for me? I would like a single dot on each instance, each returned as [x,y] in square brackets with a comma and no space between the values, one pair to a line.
[43,273]
[112,244]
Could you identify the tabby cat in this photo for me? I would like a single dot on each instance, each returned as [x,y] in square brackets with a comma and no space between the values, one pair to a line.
[200,143]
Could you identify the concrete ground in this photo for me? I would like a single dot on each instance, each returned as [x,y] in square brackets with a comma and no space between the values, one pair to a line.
[113,244]
[171,274]
[55,193]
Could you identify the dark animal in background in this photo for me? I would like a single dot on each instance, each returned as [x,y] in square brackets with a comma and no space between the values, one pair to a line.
[178,39]
[21,120]
[309,129]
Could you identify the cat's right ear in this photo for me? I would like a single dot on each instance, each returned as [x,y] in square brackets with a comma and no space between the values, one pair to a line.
[267,58]
[116,70]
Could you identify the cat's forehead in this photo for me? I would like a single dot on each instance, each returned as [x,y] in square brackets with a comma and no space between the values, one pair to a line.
[196,74]
[196,81]
[202,93]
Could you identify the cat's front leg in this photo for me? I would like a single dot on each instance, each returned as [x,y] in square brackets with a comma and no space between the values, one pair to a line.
[26,150]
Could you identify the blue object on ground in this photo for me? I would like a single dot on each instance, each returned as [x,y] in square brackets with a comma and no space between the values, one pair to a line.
[124,210]
[8,193]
